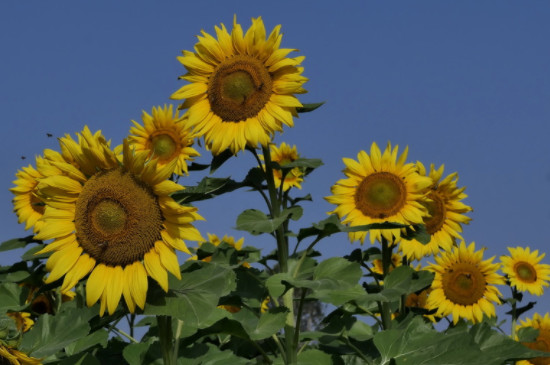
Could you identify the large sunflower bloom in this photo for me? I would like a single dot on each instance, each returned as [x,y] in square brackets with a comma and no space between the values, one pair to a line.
[464,284]
[166,136]
[11,356]
[241,87]
[542,342]
[445,215]
[525,271]
[116,222]
[380,187]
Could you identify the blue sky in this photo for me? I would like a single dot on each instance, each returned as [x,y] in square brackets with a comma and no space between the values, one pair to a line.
[466,84]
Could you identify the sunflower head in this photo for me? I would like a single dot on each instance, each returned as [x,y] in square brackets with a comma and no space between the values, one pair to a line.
[396,260]
[11,356]
[380,187]
[216,241]
[445,214]
[241,86]
[542,342]
[284,154]
[524,270]
[28,207]
[166,136]
[464,284]
[112,220]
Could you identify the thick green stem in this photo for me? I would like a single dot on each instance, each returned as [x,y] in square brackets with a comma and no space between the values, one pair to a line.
[386,261]
[166,336]
[282,255]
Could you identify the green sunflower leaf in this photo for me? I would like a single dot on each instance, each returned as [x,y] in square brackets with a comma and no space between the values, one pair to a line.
[334,281]
[13,297]
[219,160]
[207,188]
[257,222]
[193,298]
[53,333]
[306,108]
[16,243]
[267,325]
[333,225]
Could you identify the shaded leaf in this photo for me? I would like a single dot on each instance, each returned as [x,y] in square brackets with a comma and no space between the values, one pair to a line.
[194,297]
[207,188]
[16,243]
[257,222]
[306,108]
[52,333]
[219,160]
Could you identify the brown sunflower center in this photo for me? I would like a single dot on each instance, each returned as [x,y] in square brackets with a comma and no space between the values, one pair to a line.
[437,213]
[381,195]
[118,218]
[239,88]
[464,283]
[525,272]
[164,146]
[542,343]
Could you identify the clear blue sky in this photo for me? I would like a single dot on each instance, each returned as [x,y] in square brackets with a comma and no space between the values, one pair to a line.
[464,83]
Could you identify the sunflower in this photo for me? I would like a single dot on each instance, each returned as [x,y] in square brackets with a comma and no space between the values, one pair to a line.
[22,320]
[114,221]
[241,88]
[216,241]
[396,260]
[166,136]
[11,356]
[445,215]
[284,154]
[28,207]
[464,284]
[380,188]
[542,342]
[525,271]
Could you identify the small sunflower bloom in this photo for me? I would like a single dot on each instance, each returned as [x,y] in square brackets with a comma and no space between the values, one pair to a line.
[11,356]
[542,342]
[114,221]
[464,284]
[285,154]
[216,241]
[524,270]
[166,136]
[241,87]
[446,214]
[22,320]
[28,207]
[396,260]
[380,187]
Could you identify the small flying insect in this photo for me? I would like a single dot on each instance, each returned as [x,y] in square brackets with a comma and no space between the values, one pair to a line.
[49,134]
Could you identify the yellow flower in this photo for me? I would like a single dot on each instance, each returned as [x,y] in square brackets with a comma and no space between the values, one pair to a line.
[284,154]
[445,215]
[464,284]
[396,260]
[114,221]
[28,207]
[241,86]
[216,241]
[380,188]
[264,307]
[525,271]
[22,320]
[542,342]
[11,356]
[166,136]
